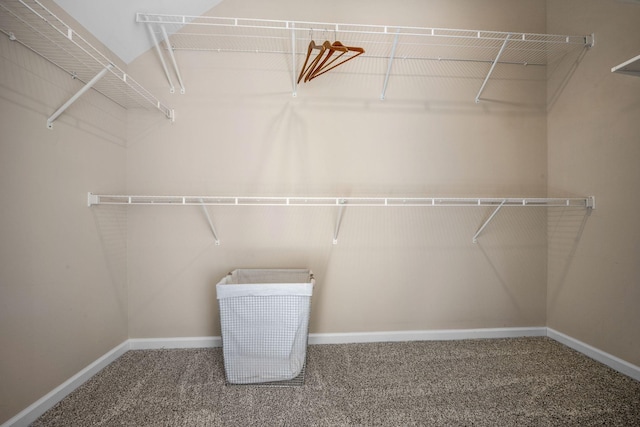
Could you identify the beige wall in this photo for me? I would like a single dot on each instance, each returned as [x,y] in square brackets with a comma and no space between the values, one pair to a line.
[62,266]
[594,148]
[239,131]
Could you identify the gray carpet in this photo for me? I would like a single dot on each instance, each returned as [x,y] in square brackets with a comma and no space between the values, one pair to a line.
[502,382]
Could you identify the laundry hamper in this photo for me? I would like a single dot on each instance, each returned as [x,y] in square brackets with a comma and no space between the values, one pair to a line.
[264,318]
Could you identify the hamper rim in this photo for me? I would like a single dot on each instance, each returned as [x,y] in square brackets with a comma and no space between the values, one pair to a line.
[224,290]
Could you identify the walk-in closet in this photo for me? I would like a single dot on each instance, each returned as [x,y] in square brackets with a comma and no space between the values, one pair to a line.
[457,179]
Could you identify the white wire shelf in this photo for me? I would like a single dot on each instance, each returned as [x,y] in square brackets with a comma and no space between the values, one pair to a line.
[273,36]
[97,199]
[31,24]
[631,67]
[341,203]
[217,34]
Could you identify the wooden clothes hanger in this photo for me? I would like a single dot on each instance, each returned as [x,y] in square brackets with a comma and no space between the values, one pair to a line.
[312,46]
[324,68]
[318,67]
[331,49]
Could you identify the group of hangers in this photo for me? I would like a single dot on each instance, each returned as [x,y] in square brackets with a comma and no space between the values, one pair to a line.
[322,63]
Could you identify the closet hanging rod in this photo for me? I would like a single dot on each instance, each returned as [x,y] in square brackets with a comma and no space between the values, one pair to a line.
[101,199]
[402,58]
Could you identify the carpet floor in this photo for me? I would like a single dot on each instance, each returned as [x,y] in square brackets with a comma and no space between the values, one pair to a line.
[492,382]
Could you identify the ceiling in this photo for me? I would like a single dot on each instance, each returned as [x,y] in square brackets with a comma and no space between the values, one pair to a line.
[113,21]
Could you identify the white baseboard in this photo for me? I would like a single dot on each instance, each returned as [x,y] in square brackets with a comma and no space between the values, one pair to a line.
[434,335]
[31,413]
[611,361]
[355,337]
[182,342]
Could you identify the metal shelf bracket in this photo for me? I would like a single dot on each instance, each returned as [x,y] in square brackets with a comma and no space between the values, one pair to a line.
[391,58]
[213,229]
[156,44]
[493,66]
[172,56]
[173,59]
[341,204]
[78,94]
[475,236]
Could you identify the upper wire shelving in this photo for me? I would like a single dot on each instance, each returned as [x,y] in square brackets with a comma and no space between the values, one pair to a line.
[208,33]
[31,24]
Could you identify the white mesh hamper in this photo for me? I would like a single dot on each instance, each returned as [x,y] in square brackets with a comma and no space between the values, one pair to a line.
[264,318]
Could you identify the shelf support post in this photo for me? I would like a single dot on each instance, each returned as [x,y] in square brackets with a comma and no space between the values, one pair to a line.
[341,204]
[493,65]
[475,237]
[73,99]
[173,59]
[391,57]
[161,57]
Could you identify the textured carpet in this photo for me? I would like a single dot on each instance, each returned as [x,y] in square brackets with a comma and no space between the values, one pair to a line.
[501,382]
